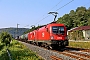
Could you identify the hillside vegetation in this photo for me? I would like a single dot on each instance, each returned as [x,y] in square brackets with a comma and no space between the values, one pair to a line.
[79,17]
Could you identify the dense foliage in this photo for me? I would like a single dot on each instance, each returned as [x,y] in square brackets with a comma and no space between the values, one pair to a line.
[5,38]
[79,17]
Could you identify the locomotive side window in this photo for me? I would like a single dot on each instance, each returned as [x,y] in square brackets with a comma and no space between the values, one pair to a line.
[58,29]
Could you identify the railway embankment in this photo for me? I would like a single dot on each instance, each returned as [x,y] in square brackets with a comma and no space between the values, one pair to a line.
[17,51]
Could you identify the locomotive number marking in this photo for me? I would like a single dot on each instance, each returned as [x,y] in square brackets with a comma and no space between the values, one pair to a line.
[42,34]
[59,37]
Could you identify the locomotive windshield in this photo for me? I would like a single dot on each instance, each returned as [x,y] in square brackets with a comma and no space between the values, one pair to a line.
[58,29]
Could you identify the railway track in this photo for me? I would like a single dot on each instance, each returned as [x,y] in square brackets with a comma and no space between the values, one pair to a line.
[77,53]
[55,58]
[68,53]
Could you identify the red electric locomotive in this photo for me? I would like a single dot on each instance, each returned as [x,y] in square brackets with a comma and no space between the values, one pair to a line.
[52,35]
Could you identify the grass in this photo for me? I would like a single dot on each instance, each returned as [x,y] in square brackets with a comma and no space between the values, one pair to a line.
[18,52]
[85,45]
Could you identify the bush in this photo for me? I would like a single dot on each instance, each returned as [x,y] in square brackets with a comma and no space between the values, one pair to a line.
[5,38]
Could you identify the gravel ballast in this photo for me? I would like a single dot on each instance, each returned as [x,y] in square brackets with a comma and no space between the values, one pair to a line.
[46,54]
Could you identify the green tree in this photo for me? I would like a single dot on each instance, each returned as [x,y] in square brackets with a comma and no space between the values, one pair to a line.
[77,18]
[5,38]
[67,20]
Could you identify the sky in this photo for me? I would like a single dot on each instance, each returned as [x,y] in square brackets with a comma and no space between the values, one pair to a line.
[26,13]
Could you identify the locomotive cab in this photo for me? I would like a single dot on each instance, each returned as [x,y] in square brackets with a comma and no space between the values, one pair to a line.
[58,35]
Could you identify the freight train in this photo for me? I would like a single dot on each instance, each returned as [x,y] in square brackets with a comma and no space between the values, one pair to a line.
[52,35]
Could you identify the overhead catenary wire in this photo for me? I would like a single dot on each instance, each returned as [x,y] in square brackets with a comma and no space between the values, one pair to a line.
[43,19]
[49,10]
[56,9]
[56,4]
[65,5]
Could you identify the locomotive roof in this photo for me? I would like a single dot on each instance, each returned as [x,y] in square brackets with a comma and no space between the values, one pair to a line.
[52,23]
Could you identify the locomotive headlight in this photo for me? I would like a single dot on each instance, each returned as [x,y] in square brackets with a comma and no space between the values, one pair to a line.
[52,37]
